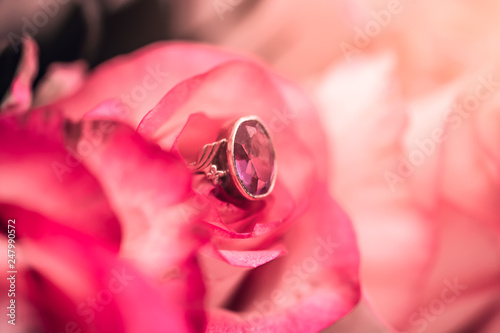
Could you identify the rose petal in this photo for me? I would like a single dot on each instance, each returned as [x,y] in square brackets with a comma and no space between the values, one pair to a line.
[36,171]
[385,213]
[141,79]
[19,98]
[197,132]
[249,259]
[259,218]
[138,201]
[108,287]
[300,112]
[473,132]
[474,270]
[361,319]
[463,216]
[223,270]
[307,290]
[153,208]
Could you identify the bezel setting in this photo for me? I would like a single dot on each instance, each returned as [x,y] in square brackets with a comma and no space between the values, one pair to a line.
[230,151]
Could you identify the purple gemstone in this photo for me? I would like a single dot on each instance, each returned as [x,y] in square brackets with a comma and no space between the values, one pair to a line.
[254,157]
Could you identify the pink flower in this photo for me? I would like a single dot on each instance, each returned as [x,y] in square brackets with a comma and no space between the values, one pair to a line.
[408,91]
[98,184]
[419,176]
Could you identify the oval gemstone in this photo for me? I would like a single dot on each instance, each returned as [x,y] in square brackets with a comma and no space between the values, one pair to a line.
[254,157]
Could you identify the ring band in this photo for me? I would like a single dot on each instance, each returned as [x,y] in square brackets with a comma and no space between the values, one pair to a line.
[244,155]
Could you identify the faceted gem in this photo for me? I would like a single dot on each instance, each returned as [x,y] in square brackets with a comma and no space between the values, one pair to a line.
[254,157]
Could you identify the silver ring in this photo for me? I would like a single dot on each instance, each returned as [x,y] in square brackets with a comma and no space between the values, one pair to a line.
[244,155]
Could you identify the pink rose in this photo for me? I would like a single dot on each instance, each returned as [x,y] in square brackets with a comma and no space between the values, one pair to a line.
[408,91]
[97,183]
[426,210]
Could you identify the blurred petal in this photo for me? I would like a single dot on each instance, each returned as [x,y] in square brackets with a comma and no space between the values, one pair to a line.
[158,236]
[59,81]
[385,214]
[19,97]
[249,259]
[361,319]
[468,256]
[36,170]
[473,133]
[109,288]
[139,80]
[468,214]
